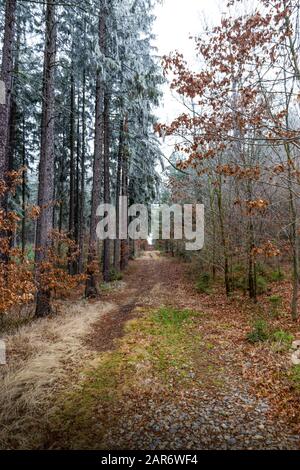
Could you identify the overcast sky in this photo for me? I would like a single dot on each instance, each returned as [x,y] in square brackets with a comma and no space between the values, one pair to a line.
[176,21]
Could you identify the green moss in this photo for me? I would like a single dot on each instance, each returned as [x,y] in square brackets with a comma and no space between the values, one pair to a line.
[173,317]
[173,343]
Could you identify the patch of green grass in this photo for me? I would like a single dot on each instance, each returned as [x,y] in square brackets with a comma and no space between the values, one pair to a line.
[174,317]
[173,342]
[261,332]
[76,410]
[240,283]
[238,277]
[282,339]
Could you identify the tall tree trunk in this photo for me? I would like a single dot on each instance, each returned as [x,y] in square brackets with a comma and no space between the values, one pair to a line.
[23,235]
[117,243]
[294,238]
[71,266]
[6,82]
[252,281]
[91,283]
[106,244]
[61,181]
[82,180]
[124,243]
[212,210]
[6,79]
[252,278]
[46,168]
[13,114]
[77,183]
[224,241]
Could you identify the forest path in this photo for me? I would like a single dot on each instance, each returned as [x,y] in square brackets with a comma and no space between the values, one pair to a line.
[169,373]
[147,284]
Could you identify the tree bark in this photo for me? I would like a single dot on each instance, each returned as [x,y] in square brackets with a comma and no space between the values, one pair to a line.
[91,283]
[117,243]
[82,180]
[224,242]
[106,244]
[23,236]
[294,238]
[46,167]
[71,266]
[7,78]
[124,243]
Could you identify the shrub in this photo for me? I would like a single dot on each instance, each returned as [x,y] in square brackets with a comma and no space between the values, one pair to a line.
[276,276]
[259,332]
[261,269]
[240,283]
[238,277]
[203,284]
[115,275]
[17,283]
[261,284]
[283,339]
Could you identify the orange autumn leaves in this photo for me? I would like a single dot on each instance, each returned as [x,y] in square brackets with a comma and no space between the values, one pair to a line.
[17,269]
[227,93]
[229,114]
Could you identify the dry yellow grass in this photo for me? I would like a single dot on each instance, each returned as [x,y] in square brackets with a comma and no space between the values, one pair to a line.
[43,358]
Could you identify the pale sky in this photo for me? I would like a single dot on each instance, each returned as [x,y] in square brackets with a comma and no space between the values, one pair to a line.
[176,21]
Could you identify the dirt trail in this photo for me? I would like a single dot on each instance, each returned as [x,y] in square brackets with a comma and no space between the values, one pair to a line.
[144,276]
[215,410]
[221,412]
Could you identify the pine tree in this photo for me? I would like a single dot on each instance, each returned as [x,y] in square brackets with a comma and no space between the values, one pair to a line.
[46,167]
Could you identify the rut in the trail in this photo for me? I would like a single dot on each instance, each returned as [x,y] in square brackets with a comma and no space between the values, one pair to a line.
[141,278]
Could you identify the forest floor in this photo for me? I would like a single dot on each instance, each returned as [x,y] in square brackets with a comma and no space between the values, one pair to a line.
[153,365]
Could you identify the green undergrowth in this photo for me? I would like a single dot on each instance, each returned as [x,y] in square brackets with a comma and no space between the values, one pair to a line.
[115,275]
[160,348]
[203,284]
[294,377]
[262,331]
